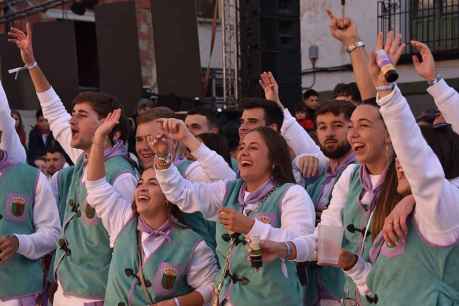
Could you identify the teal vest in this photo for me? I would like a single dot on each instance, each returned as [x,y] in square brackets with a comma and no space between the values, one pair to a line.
[173,256]
[19,276]
[268,286]
[417,272]
[196,221]
[323,282]
[64,179]
[234,165]
[84,271]
[354,214]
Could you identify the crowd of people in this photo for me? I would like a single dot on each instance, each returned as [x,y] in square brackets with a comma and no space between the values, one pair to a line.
[201,216]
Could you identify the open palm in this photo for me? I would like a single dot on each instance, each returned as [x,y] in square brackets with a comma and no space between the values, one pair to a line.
[24,42]
[108,124]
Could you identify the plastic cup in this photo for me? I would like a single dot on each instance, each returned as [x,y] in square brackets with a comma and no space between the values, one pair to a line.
[329,244]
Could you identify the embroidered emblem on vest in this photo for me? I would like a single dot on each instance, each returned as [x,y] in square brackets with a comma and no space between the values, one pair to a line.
[89,211]
[18,206]
[169,277]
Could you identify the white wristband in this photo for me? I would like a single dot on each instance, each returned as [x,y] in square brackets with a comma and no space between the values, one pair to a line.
[31,66]
[177,302]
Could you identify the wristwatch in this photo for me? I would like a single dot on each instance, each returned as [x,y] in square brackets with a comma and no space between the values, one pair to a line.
[434,81]
[355,45]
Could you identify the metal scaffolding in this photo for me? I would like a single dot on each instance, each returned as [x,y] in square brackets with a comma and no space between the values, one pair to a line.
[18,9]
[231,52]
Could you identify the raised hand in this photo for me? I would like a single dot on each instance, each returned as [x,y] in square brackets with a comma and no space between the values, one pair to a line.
[106,127]
[426,68]
[343,29]
[161,145]
[175,129]
[24,42]
[394,49]
[270,87]
[309,166]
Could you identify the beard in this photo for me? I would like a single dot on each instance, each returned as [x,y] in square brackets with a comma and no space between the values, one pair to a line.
[337,153]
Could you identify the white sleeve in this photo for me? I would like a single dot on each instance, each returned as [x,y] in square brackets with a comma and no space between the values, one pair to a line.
[206,198]
[436,212]
[306,245]
[10,141]
[297,218]
[202,271]
[447,100]
[323,163]
[46,222]
[333,214]
[125,186]
[359,274]
[298,139]
[59,121]
[110,206]
[54,184]
[213,164]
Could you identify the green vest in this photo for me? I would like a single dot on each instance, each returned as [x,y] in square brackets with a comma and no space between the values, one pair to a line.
[353,213]
[84,271]
[64,178]
[234,165]
[174,256]
[323,282]
[267,286]
[423,274]
[19,276]
[196,221]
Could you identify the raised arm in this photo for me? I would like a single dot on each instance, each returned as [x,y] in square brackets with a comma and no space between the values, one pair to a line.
[51,104]
[436,198]
[446,98]
[295,135]
[10,141]
[345,30]
[110,206]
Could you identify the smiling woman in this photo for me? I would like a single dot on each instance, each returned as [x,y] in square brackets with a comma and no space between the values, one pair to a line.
[171,263]
[263,204]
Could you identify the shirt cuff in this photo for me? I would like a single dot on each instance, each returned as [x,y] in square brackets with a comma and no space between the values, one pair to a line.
[359,273]
[258,230]
[94,185]
[206,292]
[386,99]
[48,95]
[201,152]
[438,89]
[23,245]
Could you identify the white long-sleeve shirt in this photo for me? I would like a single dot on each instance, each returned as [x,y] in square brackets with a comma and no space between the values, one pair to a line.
[436,211]
[297,209]
[116,212]
[46,222]
[300,141]
[208,167]
[10,141]
[447,100]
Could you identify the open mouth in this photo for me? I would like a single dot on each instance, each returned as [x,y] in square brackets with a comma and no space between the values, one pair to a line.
[143,197]
[358,147]
[245,164]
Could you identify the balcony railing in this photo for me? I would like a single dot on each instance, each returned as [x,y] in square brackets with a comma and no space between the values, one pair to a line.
[435,22]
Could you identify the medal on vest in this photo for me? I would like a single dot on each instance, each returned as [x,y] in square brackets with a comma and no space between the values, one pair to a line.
[169,277]
[18,206]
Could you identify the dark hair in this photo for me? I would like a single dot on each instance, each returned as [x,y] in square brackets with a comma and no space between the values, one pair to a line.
[20,129]
[309,93]
[300,108]
[55,148]
[38,114]
[336,108]
[155,113]
[210,116]
[230,131]
[386,201]
[103,104]
[279,155]
[355,92]
[273,112]
[445,144]
[218,144]
[342,89]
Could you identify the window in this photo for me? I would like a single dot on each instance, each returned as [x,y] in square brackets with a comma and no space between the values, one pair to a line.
[435,22]
[205,9]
